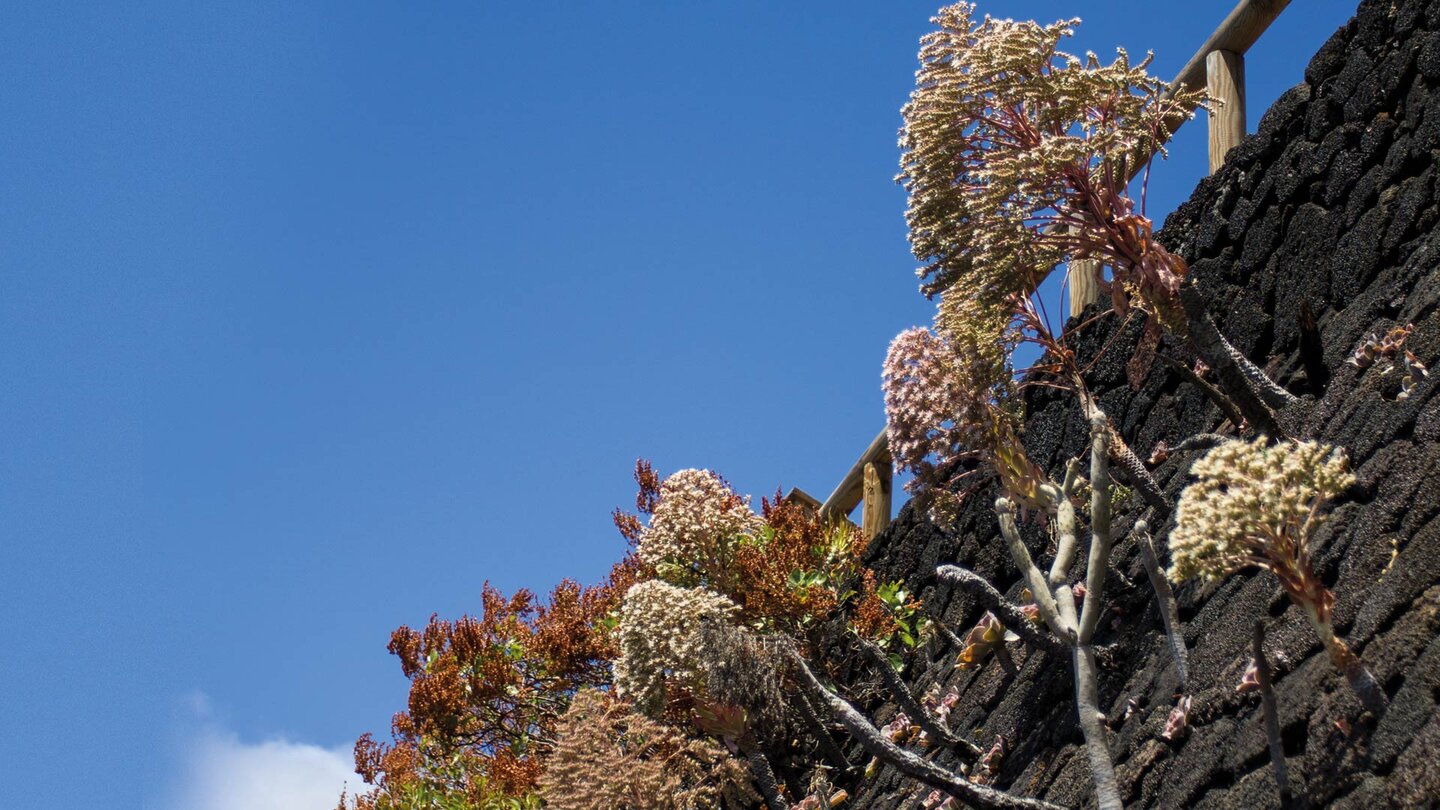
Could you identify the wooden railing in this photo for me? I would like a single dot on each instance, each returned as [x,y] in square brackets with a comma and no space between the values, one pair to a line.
[1219,67]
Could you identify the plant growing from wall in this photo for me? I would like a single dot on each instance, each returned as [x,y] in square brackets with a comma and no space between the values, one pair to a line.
[664,666]
[414,774]
[1056,601]
[952,414]
[786,572]
[987,638]
[1254,504]
[697,524]
[941,408]
[1016,159]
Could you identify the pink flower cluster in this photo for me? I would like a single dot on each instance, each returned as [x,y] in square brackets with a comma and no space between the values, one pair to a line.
[941,405]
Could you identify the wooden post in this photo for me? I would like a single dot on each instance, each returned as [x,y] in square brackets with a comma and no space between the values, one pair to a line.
[1084,291]
[875,514]
[852,487]
[1225,80]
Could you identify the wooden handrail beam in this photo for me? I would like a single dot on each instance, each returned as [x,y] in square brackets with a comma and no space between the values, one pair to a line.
[799,496]
[1237,32]
[852,487]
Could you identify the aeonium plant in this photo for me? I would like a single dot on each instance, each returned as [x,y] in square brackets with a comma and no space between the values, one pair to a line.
[1017,158]
[1254,504]
[1010,141]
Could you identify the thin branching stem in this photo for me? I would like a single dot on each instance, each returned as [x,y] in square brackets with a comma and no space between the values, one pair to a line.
[1271,713]
[1099,527]
[1165,599]
[1202,441]
[1207,341]
[1004,610]
[1224,403]
[1087,697]
[909,704]
[1092,725]
[1361,680]
[1034,580]
[1120,451]
[823,738]
[907,762]
[1057,606]
[1140,478]
[1065,527]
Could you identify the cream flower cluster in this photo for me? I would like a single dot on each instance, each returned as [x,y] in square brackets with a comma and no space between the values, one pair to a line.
[695,520]
[658,622]
[1253,503]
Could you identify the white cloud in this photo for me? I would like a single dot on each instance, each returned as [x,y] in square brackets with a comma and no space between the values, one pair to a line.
[221,772]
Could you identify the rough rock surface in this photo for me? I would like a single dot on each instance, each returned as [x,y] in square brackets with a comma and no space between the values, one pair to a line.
[1330,209]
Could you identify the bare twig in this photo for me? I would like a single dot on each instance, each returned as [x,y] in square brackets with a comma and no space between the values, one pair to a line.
[1202,441]
[908,703]
[1165,598]
[1004,610]
[823,738]
[1226,405]
[1006,662]
[907,762]
[1271,713]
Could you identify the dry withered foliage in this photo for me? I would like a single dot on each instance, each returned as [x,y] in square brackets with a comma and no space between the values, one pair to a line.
[872,618]
[486,693]
[796,542]
[610,757]
[647,497]
[804,572]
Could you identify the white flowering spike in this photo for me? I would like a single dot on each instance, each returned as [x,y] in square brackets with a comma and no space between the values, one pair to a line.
[657,639]
[693,526]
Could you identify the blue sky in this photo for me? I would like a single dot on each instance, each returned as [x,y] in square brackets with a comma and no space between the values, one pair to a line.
[316,316]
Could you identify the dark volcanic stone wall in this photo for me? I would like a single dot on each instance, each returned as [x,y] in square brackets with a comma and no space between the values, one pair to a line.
[1330,209]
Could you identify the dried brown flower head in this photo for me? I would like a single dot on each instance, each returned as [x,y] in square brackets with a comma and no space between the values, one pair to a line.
[872,618]
[796,571]
[609,757]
